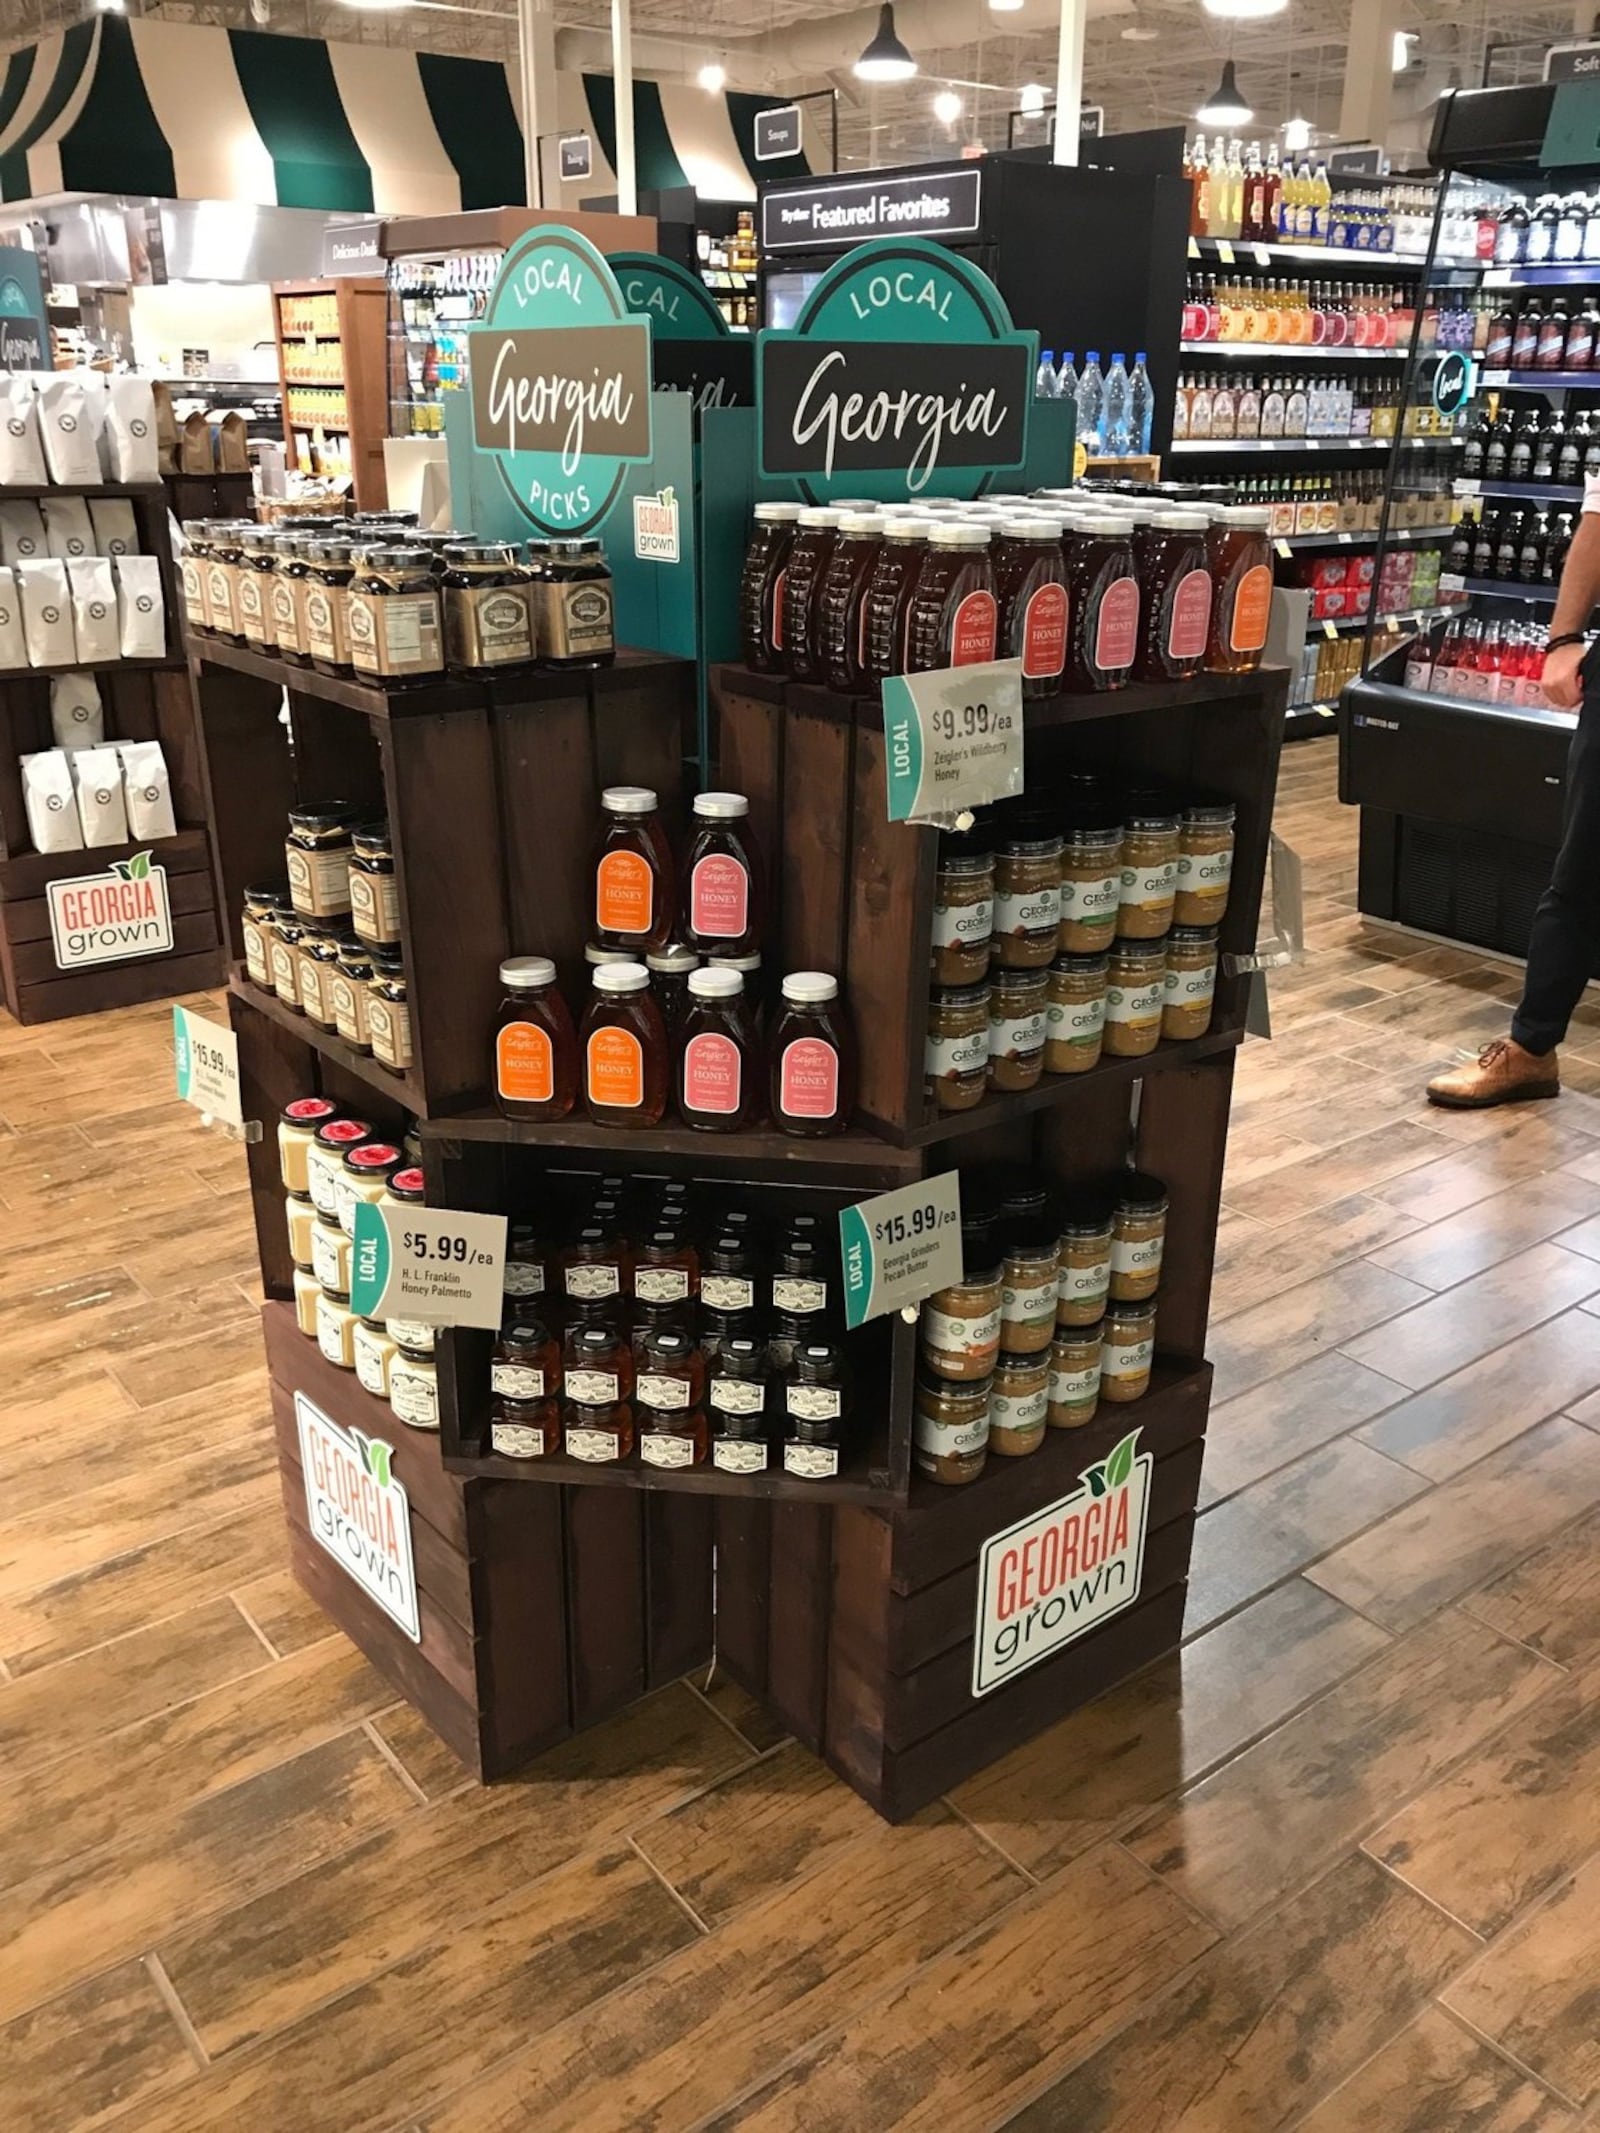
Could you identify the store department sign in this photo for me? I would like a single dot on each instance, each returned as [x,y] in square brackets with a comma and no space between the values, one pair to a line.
[1451,385]
[777,132]
[560,381]
[1063,1571]
[1572,62]
[353,248]
[359,1513]
[112,916]
[809,218]
[575,154]
[903,377]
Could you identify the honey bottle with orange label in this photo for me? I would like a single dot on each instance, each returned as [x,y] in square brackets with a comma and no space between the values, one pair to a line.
[627,1066]
[635,881]
[1239,559]
[535,1046]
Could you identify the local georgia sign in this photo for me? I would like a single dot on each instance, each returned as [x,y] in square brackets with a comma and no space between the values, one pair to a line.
[903,377]
[560,381]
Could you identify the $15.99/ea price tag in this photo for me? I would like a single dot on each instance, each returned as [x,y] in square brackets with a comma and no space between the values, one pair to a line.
[432,1264]
[208,1067]
[900,1247]
[953,738]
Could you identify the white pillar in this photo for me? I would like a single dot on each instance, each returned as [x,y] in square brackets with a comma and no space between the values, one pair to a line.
[1369,71]
[536,58]
[622,83]
[1069,79]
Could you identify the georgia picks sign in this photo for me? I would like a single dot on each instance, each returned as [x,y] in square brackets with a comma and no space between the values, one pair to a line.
[111,916]
[1061,1572]
[359,1513]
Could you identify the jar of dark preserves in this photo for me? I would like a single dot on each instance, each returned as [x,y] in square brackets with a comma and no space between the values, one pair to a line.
[486,621]
[317,858]
[736,1393]
[635,880]
[724,881]
[393,610]
[573,609]
[886,608]
[802,592]
[813,1056]
[596,1365]
[325,614]
[264,905]
[374,895]
[389,1010]
[761,586]
[1170,553]
[287,594]
[1103,601]
[844,597]
[254,603]
[719,1067]
[952,619]
[1031,593]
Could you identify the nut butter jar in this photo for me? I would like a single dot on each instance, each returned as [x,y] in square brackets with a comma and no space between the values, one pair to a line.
[1150,851]
[1191,981]
[956,1061]
[959,1327]
[950,1429]
[1138,1235]
[1083,1264]
[1017,1404]
[1074,1376]
[963,912]
[1127,1352]
[1091,889]
[1136,985]
[1205,864]
[1027,901]
[1075,1014]
[1028,1294]
[1018,1001]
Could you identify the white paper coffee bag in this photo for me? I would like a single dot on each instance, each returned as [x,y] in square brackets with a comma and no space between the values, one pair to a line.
[97,773]
[13,644]
[46,614]
[147,786]
[94,608]
[141,610]
[52,805]
[21,448]
[131,430]
[22,537]
[116,530]
[77,718]
[68,531]
[66,421]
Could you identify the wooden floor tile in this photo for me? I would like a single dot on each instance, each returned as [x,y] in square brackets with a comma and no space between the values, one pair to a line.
[749,1718]
[43,1464]
[1107,1765]
[1522,1149]
[1267,1823]
[1477,1316]
[421,1754]
[1533,1992]
[73,2063]
[1292,1325]
[1256,1151]
[1260,1431]
[314,1934]
[1269,2020]
[1255,1261]
[283,1612]
[1474,1411]
[1355,1166]
[1434,2078]
[1467,1531]
[1551,1600]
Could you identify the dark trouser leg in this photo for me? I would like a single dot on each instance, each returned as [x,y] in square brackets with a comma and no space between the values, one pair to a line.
[1564,945]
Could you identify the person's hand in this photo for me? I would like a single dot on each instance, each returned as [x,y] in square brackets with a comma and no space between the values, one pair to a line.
[1559,677]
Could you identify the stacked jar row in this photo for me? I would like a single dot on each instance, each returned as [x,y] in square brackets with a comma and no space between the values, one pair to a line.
[1086,592]
[330,1163]
[1055,1312]
[1061,932]
[674,1328]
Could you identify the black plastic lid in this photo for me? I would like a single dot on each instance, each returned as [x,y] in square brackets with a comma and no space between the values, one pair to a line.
[741,1356]
[596,1337]
[818,1362]
[1137,1188]
[527,1330]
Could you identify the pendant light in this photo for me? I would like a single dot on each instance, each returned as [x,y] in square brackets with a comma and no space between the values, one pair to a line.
[885,58]
[1225,106]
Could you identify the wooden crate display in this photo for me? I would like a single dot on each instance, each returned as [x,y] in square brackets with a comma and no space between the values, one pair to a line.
[353,314]
[143,699]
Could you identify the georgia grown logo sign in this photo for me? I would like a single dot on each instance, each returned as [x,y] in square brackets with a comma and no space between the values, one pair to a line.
[560,381]
[903,377]
[1061,1572]
[112,916]
[359,1513]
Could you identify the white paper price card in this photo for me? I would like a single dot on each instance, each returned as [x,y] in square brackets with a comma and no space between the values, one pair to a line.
[428,1263]
[900,1247]
[954,738]
[208,1067]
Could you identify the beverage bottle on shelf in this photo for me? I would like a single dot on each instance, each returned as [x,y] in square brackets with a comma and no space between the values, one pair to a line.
[1532,548]
[1180,409]
[1200,399]
[1569,460]
[1304,210]
[1548,447]
[1484,684]
[1142,403]
[1067,379]
[1525,338]
[1484,541]
[1501,336]
[1272,408]
[1476,446]
[1572,228]
[1497,450]
[1235,188]
[1247,419]
[1524,439]
[1445,661]
[1552,335]
[1253,223]
[1044,381]
[1295,410]
[1542,227]
[1591,452]
[1419,662]
[1511,235]
[1224,410]
[1199,190]
[1321,202]
[1555,554]
[1091,397]
[1508,544]
[1115,422]
[1271,190]
[1458,556]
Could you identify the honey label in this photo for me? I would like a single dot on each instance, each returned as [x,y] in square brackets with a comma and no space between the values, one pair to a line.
[488,627]
[311,990]
[525,1064]
[590,1281]
[972,631]
[1252,610]
[329,1256]
[658,1448]
[661,1284]
[814,1403]
[798,1297]
[738,1396]
[811,1462]
[658,1390]
[1116,629]
[727,1292]
[524,1277]
[256,959]
[593,1445]
[1044,633]
[615,1062]
[414,1395]
[574,621]
[516,1381]
[373,1354]
[739,1455]
[349,1010]
[712,1073]
[592,1388]
[624,893]
[808,1079]
[519,1440]
[319,882]
[410,1333]
[285,974]
[394,633]
[1189,618]
[719,897]
[389,1022]
[333,1334]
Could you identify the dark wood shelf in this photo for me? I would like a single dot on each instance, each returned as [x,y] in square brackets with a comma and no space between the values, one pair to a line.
[88,666]
[400,1088]
[27,874]
[764,1153]
[10,490]
[1041,713]
[859,1483]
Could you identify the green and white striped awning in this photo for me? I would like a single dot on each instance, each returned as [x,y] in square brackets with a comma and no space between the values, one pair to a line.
[185,112]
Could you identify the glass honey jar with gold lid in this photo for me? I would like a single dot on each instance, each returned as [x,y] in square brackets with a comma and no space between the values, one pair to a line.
[487,621]
[325,609]
[393,611]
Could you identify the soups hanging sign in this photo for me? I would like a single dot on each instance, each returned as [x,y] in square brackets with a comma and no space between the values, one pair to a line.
[903,377]
[560,381]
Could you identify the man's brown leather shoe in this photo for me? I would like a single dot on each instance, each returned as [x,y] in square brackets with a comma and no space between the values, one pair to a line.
[1502,1074]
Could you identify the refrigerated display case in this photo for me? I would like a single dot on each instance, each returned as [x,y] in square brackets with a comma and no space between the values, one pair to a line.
[1447,745]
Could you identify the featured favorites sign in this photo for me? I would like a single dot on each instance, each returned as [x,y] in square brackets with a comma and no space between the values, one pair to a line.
[560,381]
[903,377]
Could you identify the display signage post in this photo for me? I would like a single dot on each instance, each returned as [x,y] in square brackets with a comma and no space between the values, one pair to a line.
[24,330]
[692,349]
[575,152]
[843,211]
[111,916]
[560,382]
[353,248]
[777,132]
[903,377]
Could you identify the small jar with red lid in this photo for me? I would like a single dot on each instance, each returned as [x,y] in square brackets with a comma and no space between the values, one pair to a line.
[298,1126]
[953,617]
[719,1058]
[1030,573]
[325,1160]
[1103,603]
[365,1175]
[1170,553]
[813,1054]
[724,882]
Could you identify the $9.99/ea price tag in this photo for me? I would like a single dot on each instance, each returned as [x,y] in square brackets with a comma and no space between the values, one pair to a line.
[900,1247]
[953,738]
[429,1263]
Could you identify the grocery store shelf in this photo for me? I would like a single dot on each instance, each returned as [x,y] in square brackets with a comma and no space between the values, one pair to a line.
[1509,589]
[1295,352]
[1290,444]
[1306,722]
[1313,543]
[1542,380]
[1571,274]
[1539,492]
[1245,252]
[1402,618]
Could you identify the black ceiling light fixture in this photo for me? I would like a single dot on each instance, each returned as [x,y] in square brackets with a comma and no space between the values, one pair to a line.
[885,58]
[1225,106]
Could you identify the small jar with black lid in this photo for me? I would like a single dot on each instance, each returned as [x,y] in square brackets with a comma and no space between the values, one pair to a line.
[737,1382]
[1138,1235]
[349,988]
[730,1272]
[413,1376]
[487,625]
[669,970]
[526,1363]
[316,959]
[801,1270]
[670,1400]
[374,896]
[597,1388]
[597,1265]
[1127,1348]
[666,1268]
[529,1262]
[816,1402]
[572,606]
[325,610]
[264,906]
[283,953]
[317,858]
[392,610]
[389,1010]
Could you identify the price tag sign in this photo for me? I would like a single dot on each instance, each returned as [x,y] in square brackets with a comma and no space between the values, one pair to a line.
[1225,251]
[954,738]
[1329,629]
[428,1263]
[208,1067]
[1263,256]
[1451,581]
[1283,549]
[900,1247]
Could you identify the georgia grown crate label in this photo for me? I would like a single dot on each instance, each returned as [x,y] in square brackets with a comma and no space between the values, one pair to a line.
[953,738]
[900,1247]
[1060,1572]
[359,1513]
[428,1263]
[112,916]
[208,1067]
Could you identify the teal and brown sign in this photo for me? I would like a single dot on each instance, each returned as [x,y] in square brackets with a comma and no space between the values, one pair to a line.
[560,381]
[692,348]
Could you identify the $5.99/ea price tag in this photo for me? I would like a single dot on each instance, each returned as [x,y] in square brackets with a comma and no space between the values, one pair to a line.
[900,1247]
[953,738]
[429,1263]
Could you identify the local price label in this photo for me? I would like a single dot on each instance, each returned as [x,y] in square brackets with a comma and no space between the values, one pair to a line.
[208,1067]
[900,1247]
[428,1263]
[954,738]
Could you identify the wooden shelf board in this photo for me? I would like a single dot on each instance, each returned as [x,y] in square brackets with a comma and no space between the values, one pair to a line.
[398,1088]
[11,490]
[858,1484]
[1042,713]
[762,1152]
[89,666]
[28,874]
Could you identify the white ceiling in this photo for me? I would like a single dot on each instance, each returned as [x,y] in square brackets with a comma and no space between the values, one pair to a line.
[1292,63]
